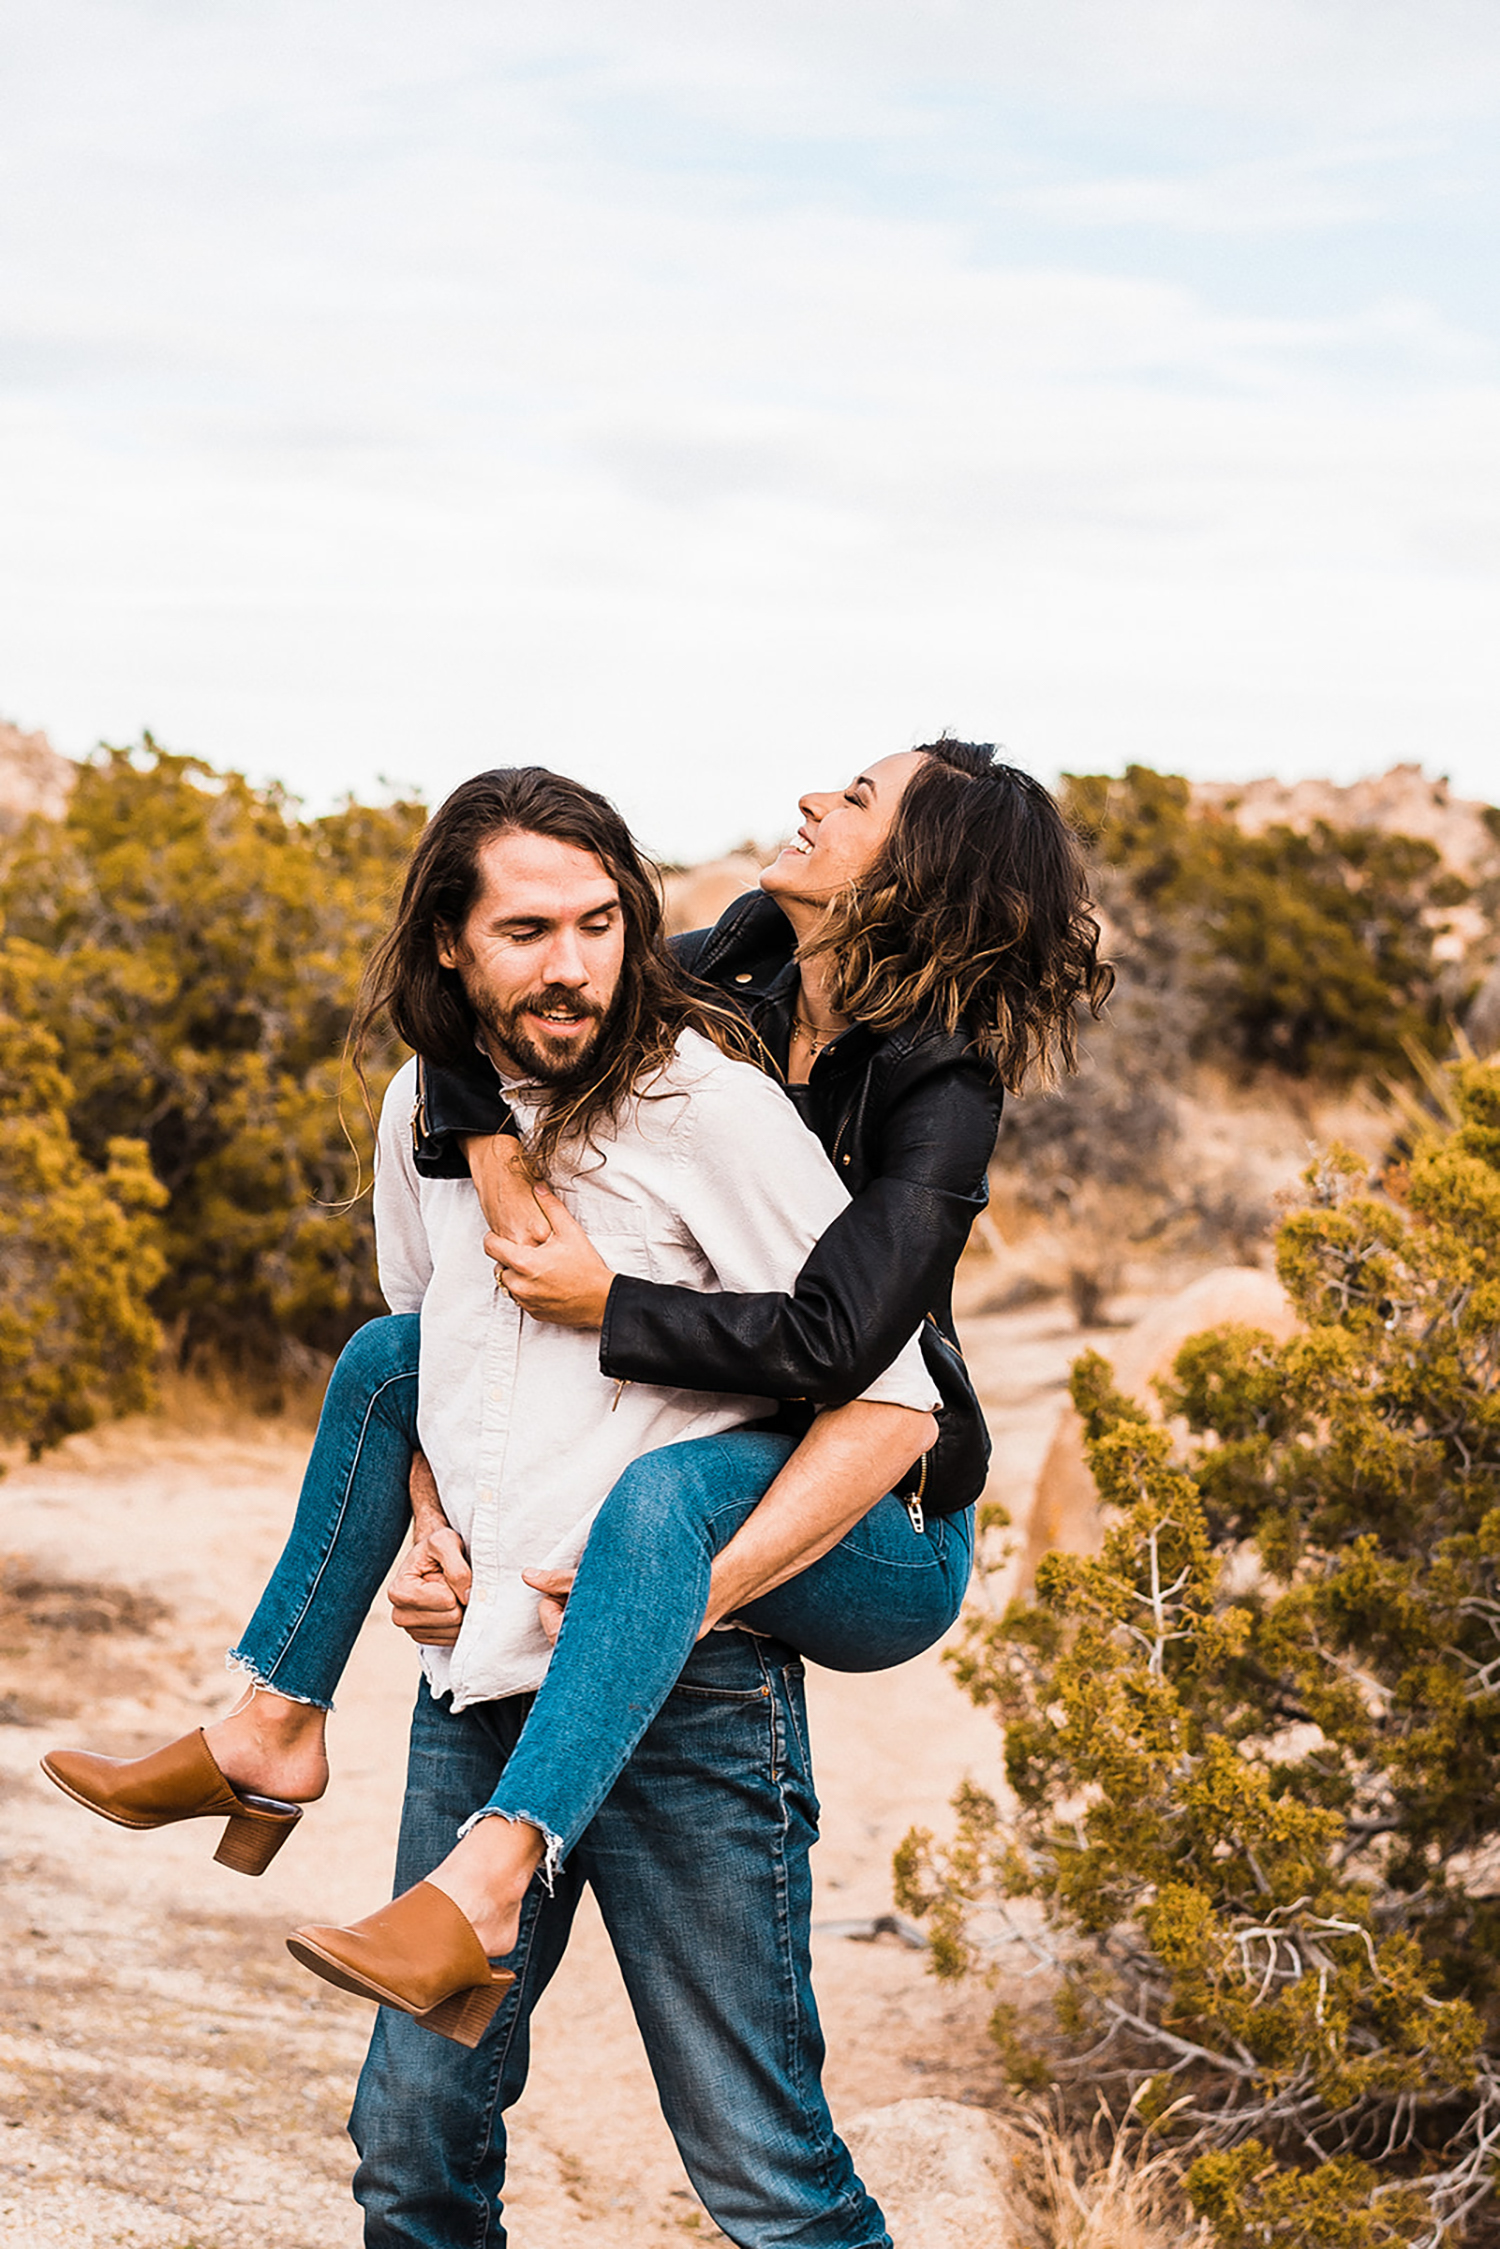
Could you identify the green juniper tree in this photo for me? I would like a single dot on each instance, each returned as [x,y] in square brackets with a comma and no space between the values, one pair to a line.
[1254,1744]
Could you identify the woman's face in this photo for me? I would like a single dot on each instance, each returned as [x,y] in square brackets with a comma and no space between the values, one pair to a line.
[841,831]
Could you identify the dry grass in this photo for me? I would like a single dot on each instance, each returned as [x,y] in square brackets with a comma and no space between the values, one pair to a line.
[1098,2197]
[220,1405]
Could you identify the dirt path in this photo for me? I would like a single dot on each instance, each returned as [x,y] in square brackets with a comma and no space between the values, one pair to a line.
[169,2078]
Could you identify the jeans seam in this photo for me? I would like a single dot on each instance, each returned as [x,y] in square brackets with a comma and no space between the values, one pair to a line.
[501,2055]
[300,1619]
[827,2143]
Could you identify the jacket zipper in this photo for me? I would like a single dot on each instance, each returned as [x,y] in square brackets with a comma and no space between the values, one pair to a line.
[914,1503]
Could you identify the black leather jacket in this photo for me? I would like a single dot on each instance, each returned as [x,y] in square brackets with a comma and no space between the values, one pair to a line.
[909,1119]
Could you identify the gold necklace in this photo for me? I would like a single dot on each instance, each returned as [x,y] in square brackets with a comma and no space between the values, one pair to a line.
[816,1039]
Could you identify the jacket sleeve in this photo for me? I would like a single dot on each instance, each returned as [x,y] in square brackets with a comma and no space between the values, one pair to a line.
[453,1103]
[866,1285]
[459,1101]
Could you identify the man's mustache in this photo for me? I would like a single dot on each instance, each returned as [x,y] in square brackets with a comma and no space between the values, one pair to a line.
[559,996]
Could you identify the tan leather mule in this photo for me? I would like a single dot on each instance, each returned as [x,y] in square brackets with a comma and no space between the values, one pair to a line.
[180,1782]
[419,1954]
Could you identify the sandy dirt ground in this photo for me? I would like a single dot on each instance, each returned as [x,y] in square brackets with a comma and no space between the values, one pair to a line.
[169,2078]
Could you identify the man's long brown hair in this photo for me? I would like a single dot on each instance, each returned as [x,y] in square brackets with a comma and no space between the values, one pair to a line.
[426,1004]
[974,912]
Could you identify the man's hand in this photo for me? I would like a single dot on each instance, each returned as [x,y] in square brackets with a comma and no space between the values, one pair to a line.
[563,1279]
[554,1586]
[507,1192]
[430,1591]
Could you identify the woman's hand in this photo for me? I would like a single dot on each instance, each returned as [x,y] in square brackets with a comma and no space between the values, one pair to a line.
[563,1279]
[505,1187]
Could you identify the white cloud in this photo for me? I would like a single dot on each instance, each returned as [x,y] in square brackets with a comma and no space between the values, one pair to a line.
[386,390]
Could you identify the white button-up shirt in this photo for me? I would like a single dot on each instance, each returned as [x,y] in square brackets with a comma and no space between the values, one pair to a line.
[710,1179]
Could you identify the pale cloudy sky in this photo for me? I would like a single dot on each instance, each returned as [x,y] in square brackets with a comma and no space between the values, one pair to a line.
[705,396]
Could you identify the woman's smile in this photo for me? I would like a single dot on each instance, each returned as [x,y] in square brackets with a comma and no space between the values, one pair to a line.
[842,831]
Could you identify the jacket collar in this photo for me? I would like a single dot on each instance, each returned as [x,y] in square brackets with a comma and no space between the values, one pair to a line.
[748,947]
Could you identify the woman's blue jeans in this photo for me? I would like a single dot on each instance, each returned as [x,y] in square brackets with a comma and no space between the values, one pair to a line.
[883,1594]
[353,1517]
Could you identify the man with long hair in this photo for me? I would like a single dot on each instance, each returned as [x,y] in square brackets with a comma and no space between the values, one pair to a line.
[529,928]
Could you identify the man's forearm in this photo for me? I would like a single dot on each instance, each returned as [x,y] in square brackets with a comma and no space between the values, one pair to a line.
[426,1505]
[504,1184]
[850,1458]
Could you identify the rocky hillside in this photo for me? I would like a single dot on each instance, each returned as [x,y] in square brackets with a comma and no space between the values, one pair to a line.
[1402,802]
[33,777]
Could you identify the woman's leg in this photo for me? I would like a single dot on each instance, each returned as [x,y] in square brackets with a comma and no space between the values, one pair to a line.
[352,1518]
[882,1595]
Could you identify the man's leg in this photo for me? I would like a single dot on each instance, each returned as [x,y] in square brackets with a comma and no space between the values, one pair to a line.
[699,1858]
[428,2117]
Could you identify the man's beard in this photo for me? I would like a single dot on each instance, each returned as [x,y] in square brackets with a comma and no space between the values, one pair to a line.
[560,1062]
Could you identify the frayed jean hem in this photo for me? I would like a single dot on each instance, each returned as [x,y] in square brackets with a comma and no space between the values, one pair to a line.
[237,1660]
[553,1844]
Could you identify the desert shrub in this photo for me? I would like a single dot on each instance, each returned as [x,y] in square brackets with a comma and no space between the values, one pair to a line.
[193,948]
[1312,952]
[79,1255]
[1255,1744]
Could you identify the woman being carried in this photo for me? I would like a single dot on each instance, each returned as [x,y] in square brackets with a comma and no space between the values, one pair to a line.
[925,939]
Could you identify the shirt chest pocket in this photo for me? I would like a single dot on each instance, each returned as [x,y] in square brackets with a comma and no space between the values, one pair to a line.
[620,1238]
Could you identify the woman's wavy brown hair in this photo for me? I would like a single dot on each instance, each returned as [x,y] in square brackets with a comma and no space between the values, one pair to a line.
[975,912]
[406,983]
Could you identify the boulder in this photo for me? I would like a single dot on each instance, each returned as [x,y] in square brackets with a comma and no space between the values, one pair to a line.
[1065,1509]
[946,2176]
[1482,1021]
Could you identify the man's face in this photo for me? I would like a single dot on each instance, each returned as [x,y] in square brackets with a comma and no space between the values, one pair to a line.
[540,955]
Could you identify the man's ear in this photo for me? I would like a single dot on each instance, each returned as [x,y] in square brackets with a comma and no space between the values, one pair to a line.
[448,945]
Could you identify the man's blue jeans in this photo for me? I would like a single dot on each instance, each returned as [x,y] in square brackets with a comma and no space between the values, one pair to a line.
[673,1777]
[699,1860]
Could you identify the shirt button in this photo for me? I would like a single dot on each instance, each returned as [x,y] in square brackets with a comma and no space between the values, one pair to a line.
[485,1494]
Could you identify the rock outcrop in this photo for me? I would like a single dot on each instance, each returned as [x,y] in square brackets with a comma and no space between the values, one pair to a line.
[33,778]
[1402,802]
[1065,1511]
